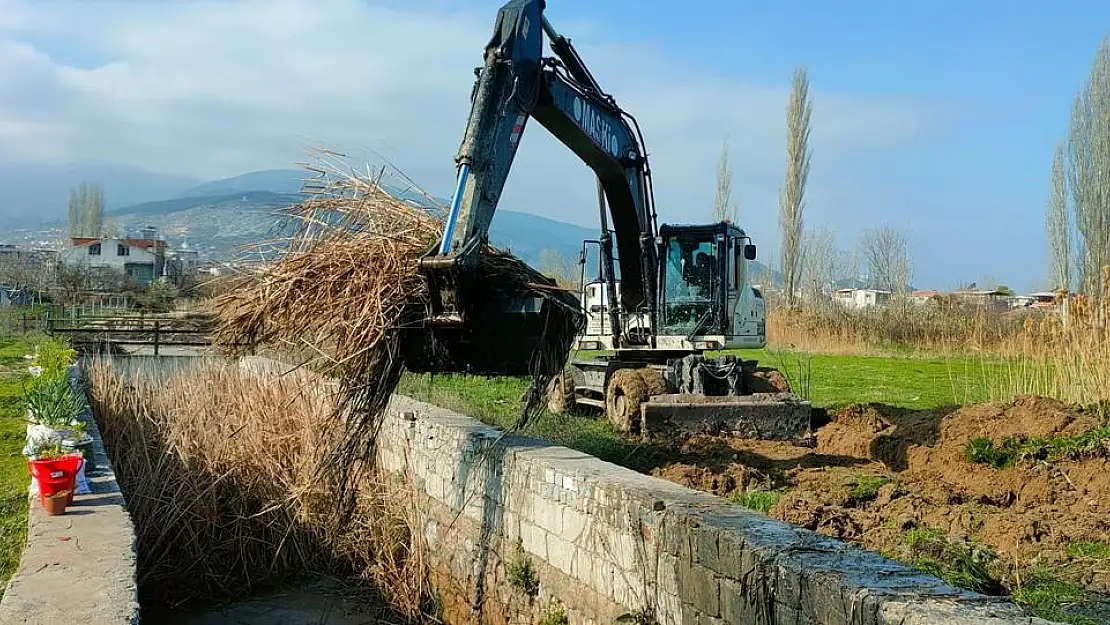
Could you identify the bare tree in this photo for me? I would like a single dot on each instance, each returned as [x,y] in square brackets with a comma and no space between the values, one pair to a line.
[86,211]
[1089,172]
[28,271]
[723,207]
[559,267]
[821,263]
[886,252]
[74,213]
[791,198]
[1059,231]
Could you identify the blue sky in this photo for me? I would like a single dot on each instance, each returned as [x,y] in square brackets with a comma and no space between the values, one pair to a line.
[939,117]
[1000,77]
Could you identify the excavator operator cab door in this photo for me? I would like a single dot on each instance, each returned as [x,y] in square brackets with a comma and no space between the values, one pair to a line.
[746,309]
[695,281]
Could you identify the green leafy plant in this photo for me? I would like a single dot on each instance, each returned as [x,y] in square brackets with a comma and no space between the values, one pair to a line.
[54,403]
[1089,549]
[522,575]
[758,500]
[965,565]
[44,449]
[1049,598]
[1014,449]
[555,614]
[53,356]
[865,489]
[980,450]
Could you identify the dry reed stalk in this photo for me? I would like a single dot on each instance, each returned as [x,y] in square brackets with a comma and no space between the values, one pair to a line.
[345,285]
[1066,360]
[227,481]
[930,330]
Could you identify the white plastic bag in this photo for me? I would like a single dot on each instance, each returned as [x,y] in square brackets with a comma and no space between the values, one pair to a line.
[40,437]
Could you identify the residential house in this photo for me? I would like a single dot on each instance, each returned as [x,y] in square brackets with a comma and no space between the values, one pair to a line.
[923,296]
[34,258]
[182,263]
[990,299]
[861,298]
[1043,299]
[141,259]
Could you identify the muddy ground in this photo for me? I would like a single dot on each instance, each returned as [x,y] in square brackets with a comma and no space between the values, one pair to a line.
[900,482]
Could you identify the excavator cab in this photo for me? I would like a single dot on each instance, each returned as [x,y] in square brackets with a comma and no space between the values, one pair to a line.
[704,279]
[705,300]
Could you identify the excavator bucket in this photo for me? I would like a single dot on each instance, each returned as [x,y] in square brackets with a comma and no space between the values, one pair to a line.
[489,313]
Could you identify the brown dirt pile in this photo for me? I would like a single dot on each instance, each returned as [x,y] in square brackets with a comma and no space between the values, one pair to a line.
[877,471]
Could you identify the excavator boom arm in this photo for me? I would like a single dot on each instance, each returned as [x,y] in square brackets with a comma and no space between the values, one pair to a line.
[517,84]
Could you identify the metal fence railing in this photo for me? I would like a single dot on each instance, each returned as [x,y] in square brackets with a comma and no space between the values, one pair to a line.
[18,322]
[85,325]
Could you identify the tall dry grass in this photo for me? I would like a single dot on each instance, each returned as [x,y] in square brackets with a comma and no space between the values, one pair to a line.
[231,485]
[1066,357]
[940,330]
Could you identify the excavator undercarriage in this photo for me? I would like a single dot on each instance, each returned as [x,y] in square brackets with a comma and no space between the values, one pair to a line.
[686,395]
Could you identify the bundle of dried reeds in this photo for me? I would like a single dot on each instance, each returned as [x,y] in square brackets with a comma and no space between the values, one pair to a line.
[227,479]
[346,282]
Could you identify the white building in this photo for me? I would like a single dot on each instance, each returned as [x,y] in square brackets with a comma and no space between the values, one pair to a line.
[861,298]
[140,259]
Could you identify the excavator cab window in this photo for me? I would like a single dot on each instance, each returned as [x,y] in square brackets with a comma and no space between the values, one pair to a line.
[691,281]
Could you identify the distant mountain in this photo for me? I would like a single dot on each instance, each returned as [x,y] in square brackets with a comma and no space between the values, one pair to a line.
[248,199]
[222,217]
[282,181]
[220,225]
[36,194]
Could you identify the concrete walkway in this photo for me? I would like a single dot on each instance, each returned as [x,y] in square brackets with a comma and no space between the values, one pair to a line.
[78,568]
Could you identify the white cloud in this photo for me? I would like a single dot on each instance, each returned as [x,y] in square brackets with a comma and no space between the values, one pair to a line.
[211,89]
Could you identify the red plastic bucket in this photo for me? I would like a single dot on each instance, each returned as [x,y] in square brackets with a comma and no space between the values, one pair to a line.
[55,475]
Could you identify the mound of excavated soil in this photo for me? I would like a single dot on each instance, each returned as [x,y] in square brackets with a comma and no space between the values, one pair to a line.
[878,471]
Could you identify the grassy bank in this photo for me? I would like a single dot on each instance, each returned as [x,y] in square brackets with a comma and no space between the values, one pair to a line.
[14,477]
[827,380]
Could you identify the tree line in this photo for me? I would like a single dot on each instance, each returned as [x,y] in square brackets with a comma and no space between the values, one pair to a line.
[811,262]
[1077,215]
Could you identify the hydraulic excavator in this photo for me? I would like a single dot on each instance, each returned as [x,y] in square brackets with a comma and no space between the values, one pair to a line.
[664,295]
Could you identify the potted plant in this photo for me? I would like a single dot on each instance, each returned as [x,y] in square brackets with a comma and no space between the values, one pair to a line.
[80,442]
[52,403]
[55,503]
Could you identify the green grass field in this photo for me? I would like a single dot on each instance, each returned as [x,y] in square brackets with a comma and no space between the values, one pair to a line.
[14,477]
[826,380]
[907,382]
